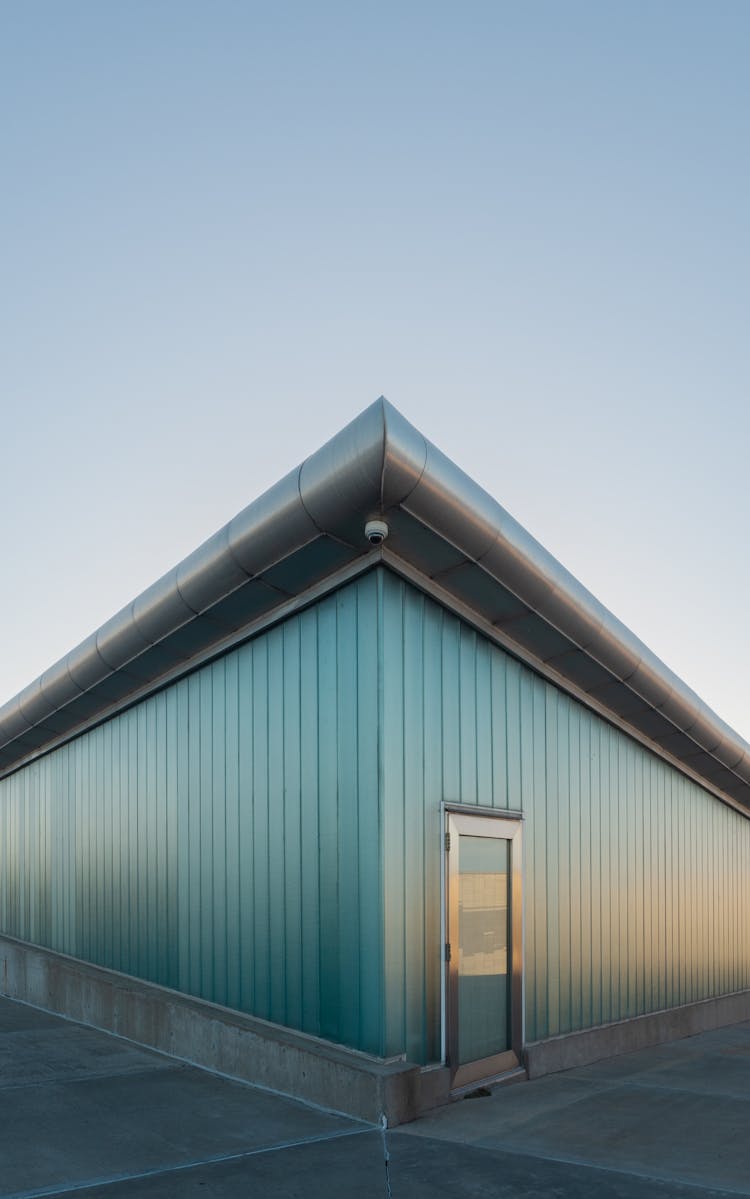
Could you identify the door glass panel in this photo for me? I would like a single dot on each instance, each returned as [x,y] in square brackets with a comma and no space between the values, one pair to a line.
[483,978]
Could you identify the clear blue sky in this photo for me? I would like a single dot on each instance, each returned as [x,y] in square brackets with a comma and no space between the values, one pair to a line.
[227,227]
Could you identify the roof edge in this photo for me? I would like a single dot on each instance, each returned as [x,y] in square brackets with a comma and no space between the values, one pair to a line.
[379,463]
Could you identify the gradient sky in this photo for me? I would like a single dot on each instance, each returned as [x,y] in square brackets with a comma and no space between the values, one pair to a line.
[227,227]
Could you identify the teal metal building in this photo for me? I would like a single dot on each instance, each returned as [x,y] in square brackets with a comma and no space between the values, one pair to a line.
[372,766]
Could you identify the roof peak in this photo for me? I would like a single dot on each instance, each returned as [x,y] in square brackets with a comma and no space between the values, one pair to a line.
[447,531]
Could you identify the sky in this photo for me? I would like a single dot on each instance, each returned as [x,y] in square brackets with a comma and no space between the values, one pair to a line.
[226,228]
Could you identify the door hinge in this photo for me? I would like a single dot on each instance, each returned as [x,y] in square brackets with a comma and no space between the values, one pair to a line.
[447,951]
[447,842]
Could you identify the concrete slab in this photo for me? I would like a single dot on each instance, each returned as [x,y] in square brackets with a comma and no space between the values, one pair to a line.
[352,1166]
[42,1055]
[87,1114]
[137,1123]
[678,1114]
[79,1107]
[719,1076]
[674,1137]
[19,1017]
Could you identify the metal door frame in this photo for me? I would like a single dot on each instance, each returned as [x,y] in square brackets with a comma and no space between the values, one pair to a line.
[505,827]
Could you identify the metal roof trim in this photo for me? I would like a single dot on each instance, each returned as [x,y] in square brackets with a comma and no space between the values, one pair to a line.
[455,507]
[379,463]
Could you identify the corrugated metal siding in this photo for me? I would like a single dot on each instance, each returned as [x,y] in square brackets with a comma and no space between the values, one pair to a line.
[222,837]
[637,882]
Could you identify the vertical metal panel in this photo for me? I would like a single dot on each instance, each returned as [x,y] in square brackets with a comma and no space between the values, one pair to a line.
[483,688]
[181,833]
[219,831]
[556,876]
[532,798]
[274,878]
[223,836]
[348,832]
[204,846]
[433,838]
[567,966]
[310,821]
[194,973]
[266,832]
[467,714]
[582,787]
[231,756]
[150,852]
[413,824]
[368,785]
[328,786]
[578,865]
[171,964]
[396,981]
[292,839]
[246,838]
[637,882]
[262,948]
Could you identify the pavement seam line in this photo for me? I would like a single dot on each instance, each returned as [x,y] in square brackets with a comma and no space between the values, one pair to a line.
[682,1090]
[51,1191]
[671,1179]
[90,1076]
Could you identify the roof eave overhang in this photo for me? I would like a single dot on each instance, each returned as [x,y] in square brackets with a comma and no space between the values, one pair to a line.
[310,526]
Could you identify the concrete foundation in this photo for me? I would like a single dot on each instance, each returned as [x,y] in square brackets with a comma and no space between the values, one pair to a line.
[625,1036]
[218,1038]
[256,1051]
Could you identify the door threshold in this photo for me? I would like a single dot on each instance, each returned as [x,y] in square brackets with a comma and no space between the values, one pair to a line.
[480,1085]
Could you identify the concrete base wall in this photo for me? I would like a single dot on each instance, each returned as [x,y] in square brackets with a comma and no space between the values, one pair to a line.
[306,1067]
[218,1038]
[609,1040]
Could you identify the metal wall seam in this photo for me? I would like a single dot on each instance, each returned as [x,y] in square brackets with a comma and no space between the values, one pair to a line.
[222,836]
[628,908]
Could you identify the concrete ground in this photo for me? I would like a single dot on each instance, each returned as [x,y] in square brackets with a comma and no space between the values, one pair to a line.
[82,1112]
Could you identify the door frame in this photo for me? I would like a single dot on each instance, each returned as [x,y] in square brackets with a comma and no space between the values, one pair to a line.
[507,826]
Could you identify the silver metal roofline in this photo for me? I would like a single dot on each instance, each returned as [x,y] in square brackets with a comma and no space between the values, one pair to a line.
[444,526]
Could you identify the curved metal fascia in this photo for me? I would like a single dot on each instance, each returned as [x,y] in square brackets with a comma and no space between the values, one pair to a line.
[274,525]
[453,505]
[160,609]
[458,510]
[85,665]
[119,639]
[404,458]
[14,723]
[33,705]
[326,494]
[57,683]
[209,573]
[376,464]
[343,479]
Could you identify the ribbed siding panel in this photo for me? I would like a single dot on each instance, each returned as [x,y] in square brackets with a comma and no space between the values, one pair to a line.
[636,881]
[222,836]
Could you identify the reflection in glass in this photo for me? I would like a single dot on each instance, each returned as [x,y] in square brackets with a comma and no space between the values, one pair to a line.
[483,978]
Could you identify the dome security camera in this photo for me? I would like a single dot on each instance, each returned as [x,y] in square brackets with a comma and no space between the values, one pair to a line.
[376,531]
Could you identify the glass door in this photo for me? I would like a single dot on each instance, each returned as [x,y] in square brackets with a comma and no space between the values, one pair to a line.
[484,952]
